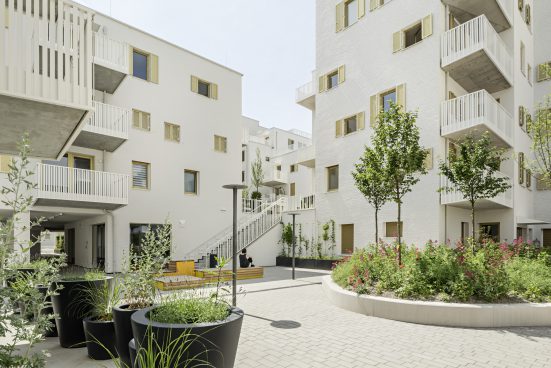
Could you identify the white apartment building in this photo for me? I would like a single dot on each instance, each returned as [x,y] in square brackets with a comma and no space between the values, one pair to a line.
[127,130]
[465,66]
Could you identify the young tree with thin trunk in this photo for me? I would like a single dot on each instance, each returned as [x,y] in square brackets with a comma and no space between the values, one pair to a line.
[471,168]
[257,175]
[371,182]
[397,136]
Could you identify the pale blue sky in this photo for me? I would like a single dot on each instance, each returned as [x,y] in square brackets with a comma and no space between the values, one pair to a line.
[271,42]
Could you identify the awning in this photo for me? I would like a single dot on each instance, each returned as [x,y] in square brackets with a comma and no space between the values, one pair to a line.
[527,221]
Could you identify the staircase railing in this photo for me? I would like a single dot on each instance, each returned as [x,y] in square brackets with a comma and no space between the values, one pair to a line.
[248,230]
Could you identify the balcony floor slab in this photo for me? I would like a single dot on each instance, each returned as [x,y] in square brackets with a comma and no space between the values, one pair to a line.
[77,204]
[102,142]
[464,10]
[107,79]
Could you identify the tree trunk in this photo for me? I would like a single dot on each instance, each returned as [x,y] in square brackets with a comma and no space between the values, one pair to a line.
[473,223]
[376,228]
[399,234]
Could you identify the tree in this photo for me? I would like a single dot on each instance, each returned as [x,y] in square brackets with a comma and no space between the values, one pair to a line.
[371,182]
[471,169]
[257,174]
[397,140]
[540,128]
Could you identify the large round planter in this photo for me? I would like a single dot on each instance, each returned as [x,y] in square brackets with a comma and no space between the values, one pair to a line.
[123,331]
[100,338]
[132,350]
[70,308]
[52,331]
[440,313]
[215,343]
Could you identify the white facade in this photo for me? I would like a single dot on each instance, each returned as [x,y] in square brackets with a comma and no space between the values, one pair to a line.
[459,64]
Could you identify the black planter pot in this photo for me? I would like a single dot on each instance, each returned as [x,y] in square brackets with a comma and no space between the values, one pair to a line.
[123,331]
[317,264]
[70,308]
[52,331]
[132,348]
[215,343]
[100,338]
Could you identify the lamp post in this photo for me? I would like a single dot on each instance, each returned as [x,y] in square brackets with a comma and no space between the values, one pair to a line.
[294,214]
[234,188]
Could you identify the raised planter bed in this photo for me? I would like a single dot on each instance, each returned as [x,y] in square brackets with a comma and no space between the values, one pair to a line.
[317,264]
[439,313]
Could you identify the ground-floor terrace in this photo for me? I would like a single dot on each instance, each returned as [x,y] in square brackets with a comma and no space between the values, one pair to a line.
[292,324]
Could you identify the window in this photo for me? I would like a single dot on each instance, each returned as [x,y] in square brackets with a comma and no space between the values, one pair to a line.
[172,132]
[528,179]
[137,235]
[145,66]
[242,156]
[453,22]
[290,143]
[5,162]
[278,167]
[387,98]
[190,181]
[332,79]
[333,178]
[204,88]
[293,168]
[140,65]
[544,71]
[347,239]
[350,125]
[489,231]
[451,95]
[220,144]
[391,229]
[292,189]
[267,159]
[521,168]
[522,58]
[242,176]
[527,15]
[141,120]
[140,175]
[351,12]
[412,34]
[529,73]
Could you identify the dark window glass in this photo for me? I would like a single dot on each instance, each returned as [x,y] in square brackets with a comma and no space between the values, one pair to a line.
[140,65]
[203,89]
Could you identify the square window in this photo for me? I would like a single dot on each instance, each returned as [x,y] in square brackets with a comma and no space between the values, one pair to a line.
[141,120]
[140,175]
[190,181]
[387,98]
[350,125]
[333,79]
[333,178]
[204,88]
[172,132]
[413,35]
[220,144]
[391,229]
[140,65]
[351,12]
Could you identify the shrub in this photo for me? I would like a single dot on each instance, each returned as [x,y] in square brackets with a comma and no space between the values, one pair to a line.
[530,278]
[190,311]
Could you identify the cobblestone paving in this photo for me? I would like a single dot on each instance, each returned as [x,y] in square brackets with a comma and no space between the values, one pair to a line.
[291,324]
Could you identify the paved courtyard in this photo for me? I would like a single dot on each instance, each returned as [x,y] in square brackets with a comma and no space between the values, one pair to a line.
[290,324]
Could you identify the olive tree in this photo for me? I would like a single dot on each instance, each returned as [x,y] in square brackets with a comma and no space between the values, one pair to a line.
[257,175]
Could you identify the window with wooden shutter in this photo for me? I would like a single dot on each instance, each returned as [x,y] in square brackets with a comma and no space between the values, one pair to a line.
[333,178]
[220,144]
[204,88]
[191,182]
[412,34]
[322,84]
[144,65]
[374,4]
[5,161]
[521,167]
[141,120]
[391,229]
[140,175]
[528,178]
[544,72]
[397,41]
[172,132]
[528,15]
[361,120]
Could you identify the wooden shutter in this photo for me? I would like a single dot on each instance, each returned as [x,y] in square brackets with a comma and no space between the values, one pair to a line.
[429,161]
[224,144]
[292,189]
[322,86]
[341,74]
[521,116]
[131,61]
[153,68]
[140,175]
[426,26]
[521,167]
[374,109]
[168,132]
[397,41]
[527,15]
[213,91]
[339,128]
[401,96]
[360,119]
[361,8]
[528,178]
[5,162]
[194,84]
[373,4]
[520,5]
[339,15]
[146,120]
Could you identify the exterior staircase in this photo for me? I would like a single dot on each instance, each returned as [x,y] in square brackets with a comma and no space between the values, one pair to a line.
[249,228]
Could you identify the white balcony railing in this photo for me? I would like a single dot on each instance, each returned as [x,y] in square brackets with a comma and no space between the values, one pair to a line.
[109,120]
[305,91]
[472,36]
[111,53]
[70,184]
[469,111]
[456,196]
[296,203]
[28,41]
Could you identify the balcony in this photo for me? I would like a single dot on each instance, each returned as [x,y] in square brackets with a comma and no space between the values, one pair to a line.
[69,187]
[307,156]
[106,129]
[111,63]
[456,199]
[498,12]
[306,94]
[274,178]
[45,74]
[476,113]
[298,203]
[476,56]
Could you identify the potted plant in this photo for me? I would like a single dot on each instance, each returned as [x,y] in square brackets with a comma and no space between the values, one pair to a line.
[99,328]
[141,269]
[214,325]
[70,305]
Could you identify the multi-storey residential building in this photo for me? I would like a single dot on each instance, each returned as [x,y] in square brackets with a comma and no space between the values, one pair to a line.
[466,67]
[127,130]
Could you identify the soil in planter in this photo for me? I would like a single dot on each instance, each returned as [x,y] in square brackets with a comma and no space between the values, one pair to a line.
[100,339]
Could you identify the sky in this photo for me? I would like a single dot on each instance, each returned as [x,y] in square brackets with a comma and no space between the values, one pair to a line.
[271,42]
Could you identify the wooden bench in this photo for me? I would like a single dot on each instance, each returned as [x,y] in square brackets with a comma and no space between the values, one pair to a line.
[226,275]
[205,277]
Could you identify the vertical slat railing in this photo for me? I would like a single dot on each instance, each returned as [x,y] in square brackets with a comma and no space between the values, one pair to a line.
[109,120]
[111,52]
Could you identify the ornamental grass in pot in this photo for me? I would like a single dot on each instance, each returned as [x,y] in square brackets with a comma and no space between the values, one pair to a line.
[141,268]
[212,325]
